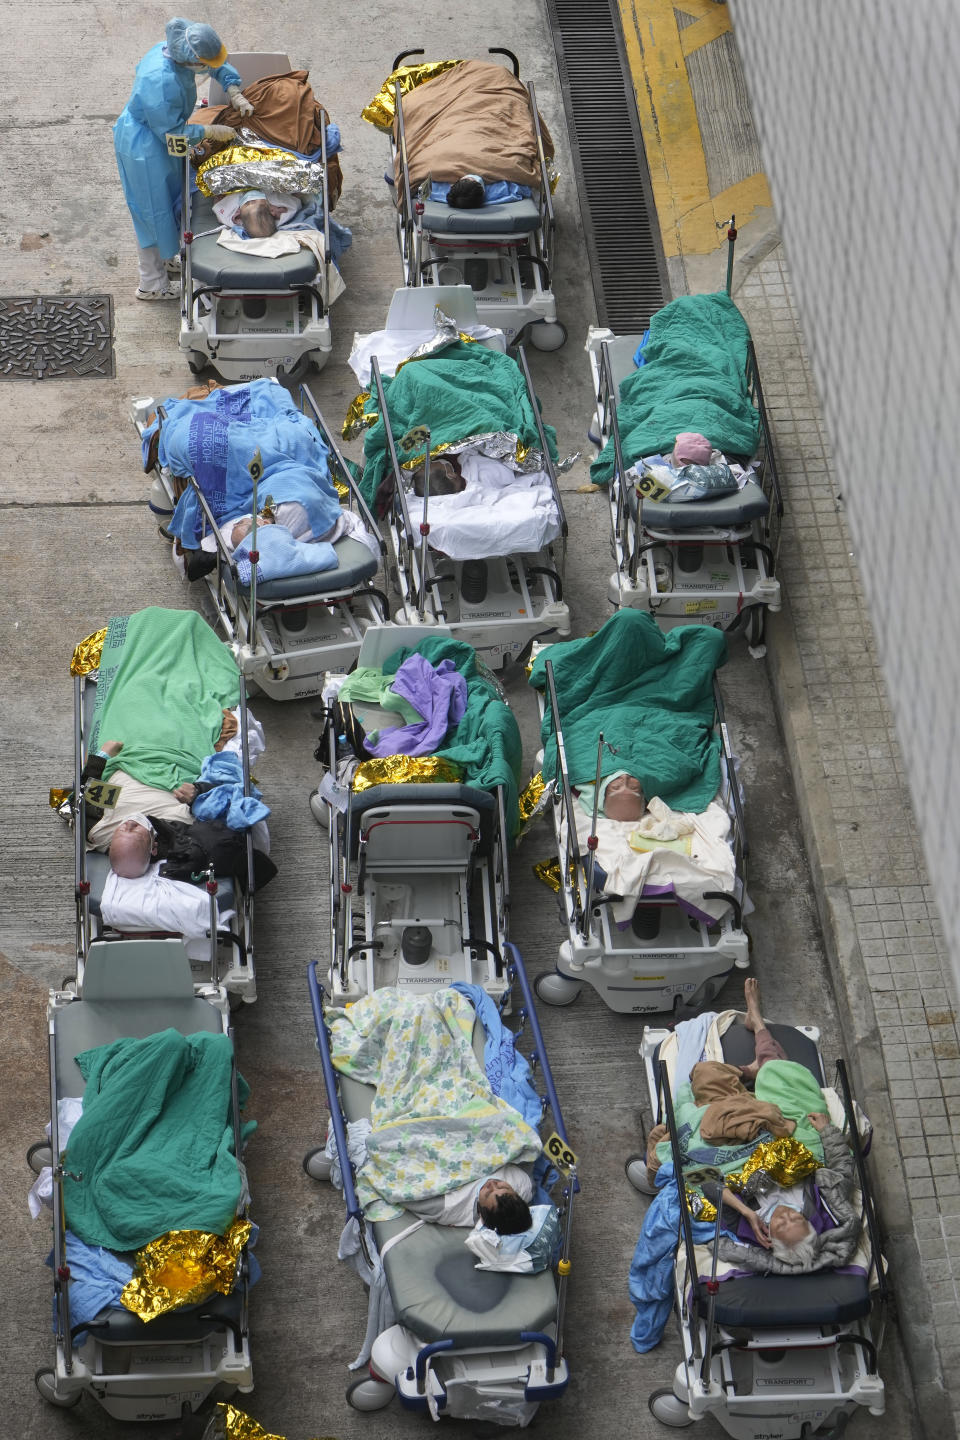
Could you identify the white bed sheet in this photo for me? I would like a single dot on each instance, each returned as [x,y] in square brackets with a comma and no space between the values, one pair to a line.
[501,512]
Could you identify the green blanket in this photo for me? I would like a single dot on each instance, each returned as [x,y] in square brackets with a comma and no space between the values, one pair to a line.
[781,1082]
[464,390]
[651,694]
[486,743]
[154,1147]
[694,378]
[435,1124]
[165,681]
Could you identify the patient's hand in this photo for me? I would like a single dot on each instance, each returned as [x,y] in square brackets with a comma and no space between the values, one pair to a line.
[760,1232]
[819,1121]
[112,747]
[185,793]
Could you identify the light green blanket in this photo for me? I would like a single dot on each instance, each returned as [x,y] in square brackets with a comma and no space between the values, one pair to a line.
[694,378]
[165,681]
[436,1125]
[651,694]
[154,1147]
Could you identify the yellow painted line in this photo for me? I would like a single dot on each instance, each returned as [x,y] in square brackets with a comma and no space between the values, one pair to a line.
[656,51]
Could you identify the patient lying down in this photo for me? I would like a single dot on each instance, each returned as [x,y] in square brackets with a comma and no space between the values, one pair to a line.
[291,517]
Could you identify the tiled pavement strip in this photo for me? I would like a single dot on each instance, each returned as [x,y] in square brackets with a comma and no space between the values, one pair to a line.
[891,970]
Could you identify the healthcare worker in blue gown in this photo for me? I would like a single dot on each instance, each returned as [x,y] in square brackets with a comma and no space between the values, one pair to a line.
[163,99]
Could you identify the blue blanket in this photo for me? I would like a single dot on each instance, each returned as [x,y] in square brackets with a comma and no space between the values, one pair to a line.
[282,556]
[651,1270]
[508,1073]
[215,439]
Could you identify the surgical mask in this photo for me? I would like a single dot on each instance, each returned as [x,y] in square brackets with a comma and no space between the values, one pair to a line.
[140,819]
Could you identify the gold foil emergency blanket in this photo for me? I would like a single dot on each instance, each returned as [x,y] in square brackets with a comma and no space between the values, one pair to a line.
[700,1207]
[86,655]
[382,110]
[232,1424]
[447,333]
[355,421]
[405,770]
[781,1162]
[549,872]
[256,167]
[530,797]
[183,1267]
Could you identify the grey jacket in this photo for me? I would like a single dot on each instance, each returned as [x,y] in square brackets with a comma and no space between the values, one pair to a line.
[835,1247]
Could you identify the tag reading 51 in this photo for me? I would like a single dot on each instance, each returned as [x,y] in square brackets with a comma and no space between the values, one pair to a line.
[560,1153]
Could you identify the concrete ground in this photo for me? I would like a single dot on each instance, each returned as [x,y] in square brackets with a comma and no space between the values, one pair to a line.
[79,545]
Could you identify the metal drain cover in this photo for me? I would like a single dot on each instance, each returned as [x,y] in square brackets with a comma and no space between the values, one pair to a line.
[56,337]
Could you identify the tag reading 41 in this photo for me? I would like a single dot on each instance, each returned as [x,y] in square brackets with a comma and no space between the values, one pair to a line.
[560,1153]
[104,796]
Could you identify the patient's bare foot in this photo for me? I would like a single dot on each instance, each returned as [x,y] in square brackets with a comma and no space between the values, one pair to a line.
[751,994]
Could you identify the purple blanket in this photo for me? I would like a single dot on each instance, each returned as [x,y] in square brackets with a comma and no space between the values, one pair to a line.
[438,694]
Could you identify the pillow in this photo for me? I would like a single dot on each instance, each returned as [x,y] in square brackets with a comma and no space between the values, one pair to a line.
[525,1254]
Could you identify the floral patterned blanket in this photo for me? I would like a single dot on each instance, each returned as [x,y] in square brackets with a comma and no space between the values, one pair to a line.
[435,1123]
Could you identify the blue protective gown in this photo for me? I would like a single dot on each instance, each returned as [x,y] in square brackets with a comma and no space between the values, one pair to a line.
[163,99]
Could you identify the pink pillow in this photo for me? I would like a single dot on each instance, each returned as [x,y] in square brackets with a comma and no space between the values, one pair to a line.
[692,449]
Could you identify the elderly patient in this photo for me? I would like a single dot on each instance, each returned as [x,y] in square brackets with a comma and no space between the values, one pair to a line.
[790,1229]
[256,213]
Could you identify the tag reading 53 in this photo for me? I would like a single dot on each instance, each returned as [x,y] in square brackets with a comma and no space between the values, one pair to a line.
[560,1153]
[177,145]
[104,796]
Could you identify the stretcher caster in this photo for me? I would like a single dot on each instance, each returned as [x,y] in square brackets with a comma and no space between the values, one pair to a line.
[318,1166]
[196,362]
[45,1381]
[665,1407]
[39,1156]
[755,625]
[556,989]
[547,335]
[369,1394]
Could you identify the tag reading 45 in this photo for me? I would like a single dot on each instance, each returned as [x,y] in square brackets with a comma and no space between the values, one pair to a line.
[560,1153]
[104,796]
[177,145]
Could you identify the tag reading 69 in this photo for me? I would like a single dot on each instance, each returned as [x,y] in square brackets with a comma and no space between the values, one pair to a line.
[104,796]
[177,145]
[560,1153]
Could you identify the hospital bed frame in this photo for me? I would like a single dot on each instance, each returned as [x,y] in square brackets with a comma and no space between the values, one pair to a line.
[136,1371]
[286,633]
[720,572]
[523,600]
[509,272]
[250,329]
[664,959]
[449,1376]
[414,855]
[226,957]
[791,1356]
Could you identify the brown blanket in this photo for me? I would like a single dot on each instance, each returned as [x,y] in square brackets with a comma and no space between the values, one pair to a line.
[286,112]
[733,1113]
[472,120]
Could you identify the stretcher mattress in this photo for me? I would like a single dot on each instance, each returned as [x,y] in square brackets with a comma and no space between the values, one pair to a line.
[435,1289]
[224,269]
[355,564]
[513,217]
[724,513]
[501,512]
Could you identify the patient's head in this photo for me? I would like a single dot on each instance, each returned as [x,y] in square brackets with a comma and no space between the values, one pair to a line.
[257,218]
[445,477]
[243,527]
[467,193]
[624,799]
[502,1209]
[793,1238]
[131,848]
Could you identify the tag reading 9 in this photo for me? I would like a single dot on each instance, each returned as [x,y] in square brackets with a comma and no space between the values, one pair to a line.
[560,1153]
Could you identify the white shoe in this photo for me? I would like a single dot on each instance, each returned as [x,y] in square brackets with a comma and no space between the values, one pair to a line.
[172,267]
[635,1168]
[320,810]
[165,294]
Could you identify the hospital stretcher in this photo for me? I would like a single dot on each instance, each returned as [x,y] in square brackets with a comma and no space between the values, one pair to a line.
[226,956]
[427,862]
[505,252]
[672,955]
[498,604]
[247,316]
[697,562]
[790,1356]
[467,1343]
[286,632]
[137,1371]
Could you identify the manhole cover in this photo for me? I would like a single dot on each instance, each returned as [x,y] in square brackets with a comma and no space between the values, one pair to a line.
[46,337]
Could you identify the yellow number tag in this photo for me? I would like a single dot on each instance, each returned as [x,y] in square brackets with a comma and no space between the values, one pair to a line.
[560,1153]
[177,145]
[104,796]
[255,467]
[699,607]
[651,489]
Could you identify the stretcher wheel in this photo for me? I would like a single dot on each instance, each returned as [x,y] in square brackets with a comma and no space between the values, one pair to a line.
[39,1156]
[665,1407]
[556,989]
[369,1394]
[45,1383]
[548,335]
[318,1166]
[197,362]
[755,624]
